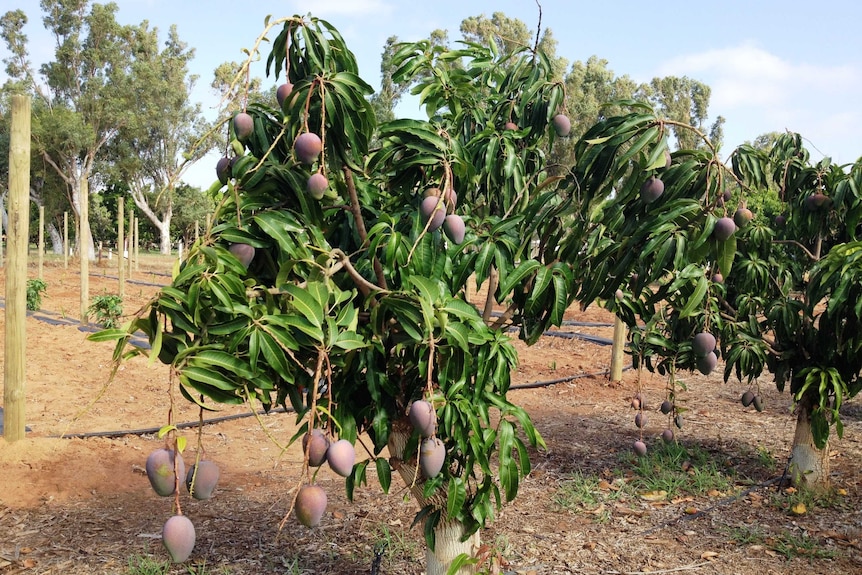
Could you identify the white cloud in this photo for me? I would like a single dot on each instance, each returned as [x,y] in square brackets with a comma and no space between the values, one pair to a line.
[328,8]
[758,91]
[747,75]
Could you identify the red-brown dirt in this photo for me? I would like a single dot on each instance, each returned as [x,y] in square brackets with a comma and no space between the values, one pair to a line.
[84,505]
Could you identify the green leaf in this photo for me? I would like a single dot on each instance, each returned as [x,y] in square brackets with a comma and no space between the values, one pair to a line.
[306,304]
[384,473]
[456,496]
[108,335]
[695,299]
[210,377]
[726,252]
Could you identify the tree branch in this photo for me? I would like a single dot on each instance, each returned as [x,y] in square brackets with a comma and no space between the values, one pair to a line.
[356,210]
[800,246]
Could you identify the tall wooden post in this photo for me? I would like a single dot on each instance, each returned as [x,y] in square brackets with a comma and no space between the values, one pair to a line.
[84,249]
[1,232]
[618,349]
[65,240]
[137,244]
[121,263]
[16,271]
[130,239]
[41,241]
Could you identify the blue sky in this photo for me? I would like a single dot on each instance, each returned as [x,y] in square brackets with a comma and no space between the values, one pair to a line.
[794,65]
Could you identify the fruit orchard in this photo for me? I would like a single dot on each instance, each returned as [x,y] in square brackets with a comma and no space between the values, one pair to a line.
[334,278]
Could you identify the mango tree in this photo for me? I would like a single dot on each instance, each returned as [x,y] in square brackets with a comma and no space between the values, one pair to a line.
[792,300]
[334,277]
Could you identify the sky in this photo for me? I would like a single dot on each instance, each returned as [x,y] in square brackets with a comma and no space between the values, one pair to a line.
[772,66]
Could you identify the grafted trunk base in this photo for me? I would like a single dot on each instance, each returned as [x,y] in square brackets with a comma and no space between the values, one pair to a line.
[448,534]
[809,466]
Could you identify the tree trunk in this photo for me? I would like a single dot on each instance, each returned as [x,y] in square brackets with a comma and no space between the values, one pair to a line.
[448,534]
[163,224]
[81,188]
[56,239]
[809,466]
[165,234]
[448,546]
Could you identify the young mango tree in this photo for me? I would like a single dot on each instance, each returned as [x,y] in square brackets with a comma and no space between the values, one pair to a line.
[334,277]
[696,278]
[792,298]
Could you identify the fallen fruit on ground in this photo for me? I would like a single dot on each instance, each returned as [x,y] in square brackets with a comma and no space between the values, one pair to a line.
[307,147]
[202,478]
[160,471]
[432,455]
[652,189]
[319,445]
[423,418]
[310,505]
[341,456]
[178,537]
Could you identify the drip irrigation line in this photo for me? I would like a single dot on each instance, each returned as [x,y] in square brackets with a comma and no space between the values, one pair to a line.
[711,508]
[189,424]
[536,384]
[151,430]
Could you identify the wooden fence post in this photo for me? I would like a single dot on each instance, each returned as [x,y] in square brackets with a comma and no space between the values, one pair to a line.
[16,271]
[41,241]
[65,240]
[121,263]
[1,232]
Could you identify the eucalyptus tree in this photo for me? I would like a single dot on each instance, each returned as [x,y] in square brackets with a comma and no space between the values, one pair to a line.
[84,91]
[166,134]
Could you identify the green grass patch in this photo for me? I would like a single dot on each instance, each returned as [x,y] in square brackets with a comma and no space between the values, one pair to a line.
[785,543]
[679,470]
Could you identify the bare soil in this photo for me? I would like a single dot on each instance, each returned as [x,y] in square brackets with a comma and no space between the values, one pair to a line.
[82,504]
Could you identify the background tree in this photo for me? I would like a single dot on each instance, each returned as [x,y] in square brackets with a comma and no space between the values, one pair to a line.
[84,91]
[167,133]
[191,208]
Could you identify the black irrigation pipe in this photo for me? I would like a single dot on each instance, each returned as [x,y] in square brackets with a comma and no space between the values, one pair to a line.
[151,430]
[711,508]
[214,420]
[567,379]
